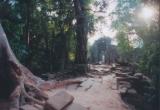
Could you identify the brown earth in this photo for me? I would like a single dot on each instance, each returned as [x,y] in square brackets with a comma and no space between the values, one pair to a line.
[96,93]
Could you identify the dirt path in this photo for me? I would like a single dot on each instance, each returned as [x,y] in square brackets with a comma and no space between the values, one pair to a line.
[96,93]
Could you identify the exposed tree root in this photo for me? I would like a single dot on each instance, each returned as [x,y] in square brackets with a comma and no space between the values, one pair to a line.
[54,85]
[21,78]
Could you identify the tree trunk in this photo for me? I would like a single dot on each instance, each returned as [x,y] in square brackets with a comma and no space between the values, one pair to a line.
[28,14]
[81,36]
[14,76]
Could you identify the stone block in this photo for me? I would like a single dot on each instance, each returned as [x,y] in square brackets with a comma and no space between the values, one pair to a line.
[59,101]
[75,106]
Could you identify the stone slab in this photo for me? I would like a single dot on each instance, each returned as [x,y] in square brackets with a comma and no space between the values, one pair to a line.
[59,101]
[28,107]
[75,106]
[86,84]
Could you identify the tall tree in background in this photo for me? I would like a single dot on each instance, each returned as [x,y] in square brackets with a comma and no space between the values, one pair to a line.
[84,25]
[81,33]
[43,35]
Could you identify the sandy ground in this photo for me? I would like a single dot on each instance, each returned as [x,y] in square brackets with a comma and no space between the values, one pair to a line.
[96,93]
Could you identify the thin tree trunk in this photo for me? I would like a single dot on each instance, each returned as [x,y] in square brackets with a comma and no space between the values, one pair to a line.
[27,34]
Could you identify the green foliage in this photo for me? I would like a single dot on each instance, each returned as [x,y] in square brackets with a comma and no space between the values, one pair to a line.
[148,54]
[14,31]
[125,14]
[123,43]
[41,32]
[151,58]
[128,23]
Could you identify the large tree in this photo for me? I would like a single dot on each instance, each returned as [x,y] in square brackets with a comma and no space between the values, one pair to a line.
[82,29]
[14,77]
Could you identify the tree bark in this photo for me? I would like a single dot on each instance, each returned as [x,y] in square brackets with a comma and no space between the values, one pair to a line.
[14,76]
[81,35]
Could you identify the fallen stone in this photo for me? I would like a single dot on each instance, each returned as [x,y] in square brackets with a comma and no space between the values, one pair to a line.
[132,92]
[75,106]
[28,107]
[114,84]
[113,65]
[146,81]
[123,90]
[86,85]
[128,79]
[59,101]
[138,75]
[119,68]
[121,74]
[72,87]
[125,84]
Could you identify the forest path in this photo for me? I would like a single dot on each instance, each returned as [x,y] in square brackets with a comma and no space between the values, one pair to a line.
[96,93]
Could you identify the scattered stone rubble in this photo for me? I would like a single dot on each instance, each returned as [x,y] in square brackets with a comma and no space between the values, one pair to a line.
[60,101]
[135,89]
